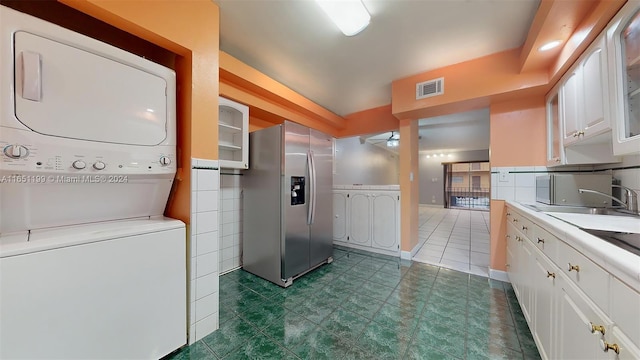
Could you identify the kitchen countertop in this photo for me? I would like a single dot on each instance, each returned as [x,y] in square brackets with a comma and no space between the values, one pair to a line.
[619,262]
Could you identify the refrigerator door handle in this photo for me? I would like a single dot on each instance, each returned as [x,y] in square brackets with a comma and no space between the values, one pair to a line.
[312,187]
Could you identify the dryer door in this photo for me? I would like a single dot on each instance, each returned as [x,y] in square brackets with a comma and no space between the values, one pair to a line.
[66,91]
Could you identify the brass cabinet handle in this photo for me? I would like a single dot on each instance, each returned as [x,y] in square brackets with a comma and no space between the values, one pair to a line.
[515,220]
[524,228]
[581,133]
[550,274]
[596,328]
[508,214]
[540,241]
[518,238]
[508,236]
[573,267]
[556,159]
[606,346]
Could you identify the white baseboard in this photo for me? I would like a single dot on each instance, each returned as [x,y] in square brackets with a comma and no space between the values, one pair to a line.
[408,255]
[499,275]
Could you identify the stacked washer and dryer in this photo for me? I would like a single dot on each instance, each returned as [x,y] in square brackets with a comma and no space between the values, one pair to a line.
[89,266]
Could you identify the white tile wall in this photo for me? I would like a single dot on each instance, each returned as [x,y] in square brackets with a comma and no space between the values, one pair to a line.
[519,183]
[230,253]
[203,249]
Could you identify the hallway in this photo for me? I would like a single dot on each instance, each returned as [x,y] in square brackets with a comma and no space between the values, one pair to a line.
[455,239]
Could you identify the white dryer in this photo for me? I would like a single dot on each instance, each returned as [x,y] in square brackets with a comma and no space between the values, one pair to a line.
[89,267]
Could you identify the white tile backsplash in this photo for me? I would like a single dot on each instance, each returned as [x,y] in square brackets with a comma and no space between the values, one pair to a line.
[205,243]
[525,194]
[230,253]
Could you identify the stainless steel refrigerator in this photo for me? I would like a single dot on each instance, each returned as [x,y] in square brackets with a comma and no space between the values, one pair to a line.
[288,202]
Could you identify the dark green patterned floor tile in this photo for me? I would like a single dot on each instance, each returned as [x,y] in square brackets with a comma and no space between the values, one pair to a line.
[314,309]
[370,264]
[421,351]
[528,345]
[233,294]
[394,268]
[499,337]
[333,294]
[342,286]
[230,336]
[361,272]
[403,296]
[453,276]
[344,323]
[249,301]
[394,317]
[408,303]
[375,290]
[484,351]
[290,330]
[258,348]
[226,314]
[384,342]
[263,316]
[443,314]
[478,319]
[353,282]
[322,344]
[197,351]
[391,280]
[442,335]
[449,291]
[362,305]
[452,303]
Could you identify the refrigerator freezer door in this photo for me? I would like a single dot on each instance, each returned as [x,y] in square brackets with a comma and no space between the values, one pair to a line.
[262,209]
[295,257]
[321,243]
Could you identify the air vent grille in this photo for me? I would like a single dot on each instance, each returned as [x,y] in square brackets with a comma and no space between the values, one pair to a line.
[429,88]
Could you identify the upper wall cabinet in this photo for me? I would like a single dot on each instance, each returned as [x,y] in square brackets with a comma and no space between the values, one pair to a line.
[555,152]
[623,39]
[233,134]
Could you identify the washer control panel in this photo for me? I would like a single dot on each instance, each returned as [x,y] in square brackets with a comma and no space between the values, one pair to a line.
[53,155]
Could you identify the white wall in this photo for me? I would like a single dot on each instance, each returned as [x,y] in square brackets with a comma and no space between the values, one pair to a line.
[364,164]
[432,173]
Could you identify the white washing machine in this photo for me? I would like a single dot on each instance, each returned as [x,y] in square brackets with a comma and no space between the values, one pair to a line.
[89,267]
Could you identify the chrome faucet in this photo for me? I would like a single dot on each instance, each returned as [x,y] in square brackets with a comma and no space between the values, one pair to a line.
[631,203]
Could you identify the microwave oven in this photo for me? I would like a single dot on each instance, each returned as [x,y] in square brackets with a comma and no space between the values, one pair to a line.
[562,189]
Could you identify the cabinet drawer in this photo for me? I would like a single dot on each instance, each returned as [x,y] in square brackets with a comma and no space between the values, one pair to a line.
[588,276]
[626,348]
[625,309]
[546,242]
[523,224]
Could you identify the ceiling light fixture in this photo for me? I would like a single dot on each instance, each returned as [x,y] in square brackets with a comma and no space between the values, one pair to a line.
[393,140]
[350,16]
[550,45]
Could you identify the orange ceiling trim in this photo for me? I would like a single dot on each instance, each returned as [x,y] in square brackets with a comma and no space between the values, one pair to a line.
[370,121]
[471,80]
[588,29]
[240,75]
[554,20]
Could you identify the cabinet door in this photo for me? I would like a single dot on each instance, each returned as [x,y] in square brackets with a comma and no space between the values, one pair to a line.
[574,339]
[571,101]
[554,137]
[339,216]
[233,134]
[385,221]
[360,219]
[595,87]
[543,330]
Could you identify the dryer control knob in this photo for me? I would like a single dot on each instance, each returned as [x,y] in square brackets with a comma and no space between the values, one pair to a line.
[99,165]
[79,164]
[16,151]
[165,160]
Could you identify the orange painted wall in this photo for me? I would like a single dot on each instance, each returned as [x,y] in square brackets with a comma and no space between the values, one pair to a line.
[191,30]
[518,132]
[517,138]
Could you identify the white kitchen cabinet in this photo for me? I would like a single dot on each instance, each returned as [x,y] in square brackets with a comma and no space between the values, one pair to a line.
[623,39]
[340,215]
[555,151]
[371,221]
[568,298]
[586,96]
[233,134]
[360,213]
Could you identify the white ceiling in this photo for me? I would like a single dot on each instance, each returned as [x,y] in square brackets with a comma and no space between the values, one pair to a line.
[295,43]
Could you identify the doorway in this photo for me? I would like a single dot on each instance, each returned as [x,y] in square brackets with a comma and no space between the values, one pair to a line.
[467,185]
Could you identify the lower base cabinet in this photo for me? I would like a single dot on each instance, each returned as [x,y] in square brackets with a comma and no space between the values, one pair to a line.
[561,295]
[367,220]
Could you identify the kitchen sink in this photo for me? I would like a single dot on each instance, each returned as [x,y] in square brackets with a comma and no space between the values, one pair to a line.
[579,210]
